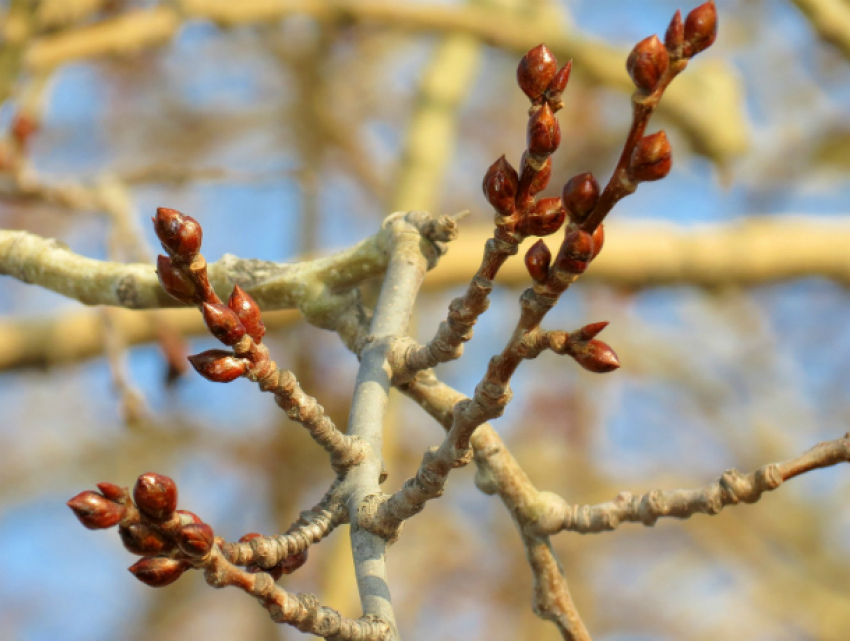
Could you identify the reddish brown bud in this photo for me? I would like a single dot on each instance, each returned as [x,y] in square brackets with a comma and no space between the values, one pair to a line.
[218,365]
[293,562]
[500,186]
[250,537]
[674,39]
[591,330]
[543,134]
[140,539]
[575,253]
[95,511]
[187,517]
[546,218]
[195,540]
[647,62]
[596,356]
[158,572]
[112,492]
[536,70]
[156,495]
[179,235]
[559,82]
[700,28]
[598,240]
[537,261]
[223,323]
[651,158]
[176,282]
[579,196]
[248,311]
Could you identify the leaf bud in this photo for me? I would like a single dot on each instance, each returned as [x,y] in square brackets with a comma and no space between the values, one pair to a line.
[596,356]
[591,330]
[579,196]
[651,158]
[156,495]
[223,323]
[598,239]
[179,235]
[293,562]
[543,134]
[141,539]
[95,511]
[159,571]
[647,62]
[674,39]
[536,70]
[195,540]
[176,282]
[218,365]
[112,492]
[559,82]
[500,186]
[700,28]
[575,253]
[537,261]
[248,311]
[545,218]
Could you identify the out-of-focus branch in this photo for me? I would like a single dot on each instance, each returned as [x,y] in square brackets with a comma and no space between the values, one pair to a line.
[707,105]
[831,21]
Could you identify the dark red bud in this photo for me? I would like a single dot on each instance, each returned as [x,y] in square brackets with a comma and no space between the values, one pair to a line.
[537,261]
[546,218]
[158,572]
[575,253]
[113,492]
[187,517]
[293,562]
[175,282]
[95,511]
[579,196]
[195,540]
[559,82]
[248,311]
[544,133]
[541,178]
[223,323]
[536,70]
[218,365]
[591,330]
[674,39]
[647,62]
[651,158]
[596,356]
[598,239]
[156,495]
[180,235]
[500,186]
[140,539]
[700,28]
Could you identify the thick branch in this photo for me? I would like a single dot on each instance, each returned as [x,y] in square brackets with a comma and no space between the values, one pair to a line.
[831,20]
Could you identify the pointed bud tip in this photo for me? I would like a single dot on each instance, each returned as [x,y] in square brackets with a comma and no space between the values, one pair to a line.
[700,30]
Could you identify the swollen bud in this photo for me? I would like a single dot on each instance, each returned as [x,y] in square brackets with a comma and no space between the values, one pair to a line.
[575,253]
[158,572]
[596,356]
[674,39]
[179,235]
[218,365]
[647,62]
[175,282]
[95,511]
[546,218]
[579,196]
[543,134]
[248,311]
[539,177]
[651,158]
[140,539]
[537,261]
[223,323]
[195,540]
[535,71]
[700,28]
[500,186]
[156,495]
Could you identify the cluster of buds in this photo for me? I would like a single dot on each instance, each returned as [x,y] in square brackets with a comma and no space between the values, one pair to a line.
[286,566]
[183,275]
[170,540]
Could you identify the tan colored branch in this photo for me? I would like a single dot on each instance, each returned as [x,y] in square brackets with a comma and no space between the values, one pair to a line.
[830,19]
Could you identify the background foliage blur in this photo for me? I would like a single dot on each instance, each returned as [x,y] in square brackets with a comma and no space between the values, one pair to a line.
[292,135]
